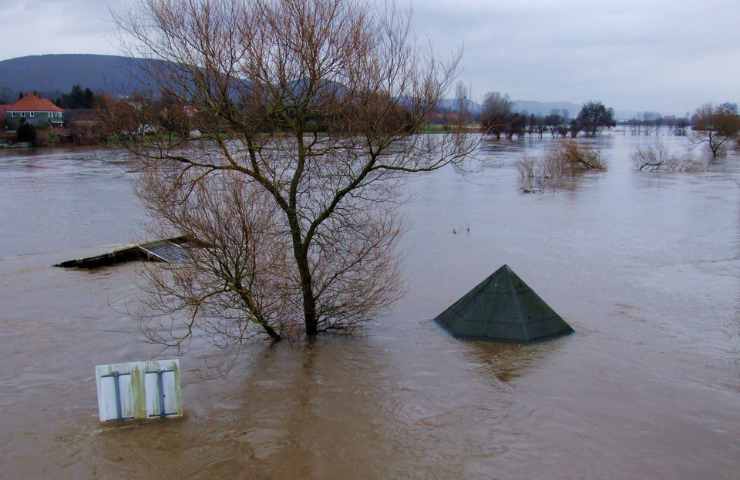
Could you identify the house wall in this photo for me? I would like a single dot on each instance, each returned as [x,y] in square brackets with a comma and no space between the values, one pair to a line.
[14,119]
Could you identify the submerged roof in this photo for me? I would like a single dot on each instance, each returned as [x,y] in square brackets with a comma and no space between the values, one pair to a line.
[169,250]
[504,308]
[32,103]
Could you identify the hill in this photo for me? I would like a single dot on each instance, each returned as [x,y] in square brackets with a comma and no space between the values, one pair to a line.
[53,74]
[545,108]
[452,105]
[532,107]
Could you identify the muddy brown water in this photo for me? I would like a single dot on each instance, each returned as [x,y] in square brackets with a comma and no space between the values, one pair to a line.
[646,268]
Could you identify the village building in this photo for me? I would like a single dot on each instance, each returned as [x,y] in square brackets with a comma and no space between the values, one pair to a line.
[34,110]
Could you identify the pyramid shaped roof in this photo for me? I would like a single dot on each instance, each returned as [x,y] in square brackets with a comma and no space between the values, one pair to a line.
[502,307]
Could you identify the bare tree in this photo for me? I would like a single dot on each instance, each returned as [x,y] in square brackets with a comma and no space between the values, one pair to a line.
[235,278]
[314,105]
[716,127]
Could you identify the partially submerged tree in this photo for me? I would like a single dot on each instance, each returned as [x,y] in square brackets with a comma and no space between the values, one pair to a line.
[312,109]
[517,125]
[496,113]
[594,116]
[716,127]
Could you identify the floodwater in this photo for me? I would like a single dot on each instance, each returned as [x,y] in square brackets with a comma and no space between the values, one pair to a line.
[645,267]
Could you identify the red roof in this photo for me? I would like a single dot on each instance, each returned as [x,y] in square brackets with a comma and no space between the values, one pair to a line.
[32,103]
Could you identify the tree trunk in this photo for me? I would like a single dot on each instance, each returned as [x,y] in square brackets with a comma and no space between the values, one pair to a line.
[310,319]
[713,146]
[300,253]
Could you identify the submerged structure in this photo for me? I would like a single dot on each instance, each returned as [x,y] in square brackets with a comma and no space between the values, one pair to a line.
[139,390]
[504,308]
[170,250]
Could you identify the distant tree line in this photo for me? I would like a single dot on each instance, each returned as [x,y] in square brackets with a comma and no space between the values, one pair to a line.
[713,126]
[651,123]
[498,118]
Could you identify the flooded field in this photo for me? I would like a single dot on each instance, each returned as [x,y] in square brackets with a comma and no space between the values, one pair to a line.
[645,267]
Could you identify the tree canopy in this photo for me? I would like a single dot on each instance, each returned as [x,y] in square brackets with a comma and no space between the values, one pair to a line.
[496,113]
[594,116]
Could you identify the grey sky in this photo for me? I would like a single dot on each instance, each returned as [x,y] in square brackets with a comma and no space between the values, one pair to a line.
[665,55]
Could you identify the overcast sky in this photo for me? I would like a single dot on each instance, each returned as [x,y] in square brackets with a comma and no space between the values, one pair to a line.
[664,55]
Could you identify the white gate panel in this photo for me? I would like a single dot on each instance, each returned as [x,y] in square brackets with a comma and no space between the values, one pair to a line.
[139,390]
[127,396]
[170,392]
[152,394]
[107,405]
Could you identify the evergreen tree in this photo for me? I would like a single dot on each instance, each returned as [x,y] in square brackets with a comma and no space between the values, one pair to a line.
[77,98]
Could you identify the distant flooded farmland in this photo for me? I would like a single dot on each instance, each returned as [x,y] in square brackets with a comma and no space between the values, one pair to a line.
[644,266]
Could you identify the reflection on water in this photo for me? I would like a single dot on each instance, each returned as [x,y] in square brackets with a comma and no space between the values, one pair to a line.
[645,267]
[507,362]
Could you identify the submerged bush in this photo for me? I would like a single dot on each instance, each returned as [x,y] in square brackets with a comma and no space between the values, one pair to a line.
[568,159]
[657,158]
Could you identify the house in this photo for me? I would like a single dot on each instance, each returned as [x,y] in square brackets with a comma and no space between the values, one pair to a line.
[34,110]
